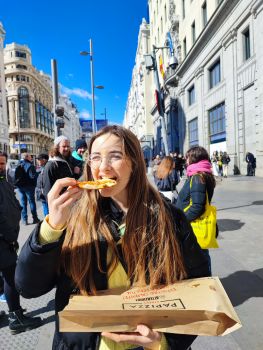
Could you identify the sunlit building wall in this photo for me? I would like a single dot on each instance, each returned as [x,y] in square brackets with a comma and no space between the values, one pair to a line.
[138,116]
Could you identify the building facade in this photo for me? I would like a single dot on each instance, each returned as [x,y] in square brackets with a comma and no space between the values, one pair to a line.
[213,94]
[4,140]
[138,116]
[72,128]
[220,84]
[29,102]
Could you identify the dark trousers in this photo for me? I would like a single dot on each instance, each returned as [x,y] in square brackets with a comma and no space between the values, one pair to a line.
[11,294]
[27,194]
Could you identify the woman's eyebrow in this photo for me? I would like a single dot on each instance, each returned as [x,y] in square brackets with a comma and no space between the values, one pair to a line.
[110,152]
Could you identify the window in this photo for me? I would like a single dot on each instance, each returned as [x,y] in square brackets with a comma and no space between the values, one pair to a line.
[183,8]
[161,25]
[214,74]
[24,137]
[37,111]
[193,32]
[246,44]
[204,13]
[165,14]
[217,125]
[20,54]
[21,66]
[193,132]
[23,103]
[191,95]
[184,47]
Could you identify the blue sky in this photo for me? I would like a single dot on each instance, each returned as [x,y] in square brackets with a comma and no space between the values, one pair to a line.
[61,29]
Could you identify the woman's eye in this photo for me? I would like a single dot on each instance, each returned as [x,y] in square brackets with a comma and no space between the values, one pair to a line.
[115,157]
[95,158]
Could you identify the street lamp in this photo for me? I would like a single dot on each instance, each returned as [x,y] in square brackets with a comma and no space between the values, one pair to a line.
[90,54]
[105,114]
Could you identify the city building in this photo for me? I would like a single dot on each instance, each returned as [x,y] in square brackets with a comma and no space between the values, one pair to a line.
[4,139]
[219,82]
[72,128]
[208,58]
[29,102]
[138,116]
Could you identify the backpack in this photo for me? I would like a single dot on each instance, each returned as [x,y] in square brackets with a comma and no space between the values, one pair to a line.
[23,178]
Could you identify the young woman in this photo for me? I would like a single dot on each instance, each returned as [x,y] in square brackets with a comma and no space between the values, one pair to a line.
[200,181]
[113,237]
[166,177]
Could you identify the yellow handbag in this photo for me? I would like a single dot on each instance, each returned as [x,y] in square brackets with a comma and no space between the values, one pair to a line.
[204,226]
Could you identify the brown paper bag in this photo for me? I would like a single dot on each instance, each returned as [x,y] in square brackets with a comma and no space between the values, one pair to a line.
[198,306]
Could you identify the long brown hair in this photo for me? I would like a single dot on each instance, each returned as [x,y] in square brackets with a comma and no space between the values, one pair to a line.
[165,167]
[149,245]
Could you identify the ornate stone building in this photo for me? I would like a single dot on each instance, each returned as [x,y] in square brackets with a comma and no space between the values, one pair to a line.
[138,108]
[29,102]
[3,110]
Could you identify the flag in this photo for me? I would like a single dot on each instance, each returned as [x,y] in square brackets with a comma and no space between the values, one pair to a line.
[169,43]
[161,66]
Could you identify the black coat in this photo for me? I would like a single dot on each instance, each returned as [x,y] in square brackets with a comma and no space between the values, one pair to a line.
[54,170]
[168,183]
[197,192]
[35,258]
[10,210]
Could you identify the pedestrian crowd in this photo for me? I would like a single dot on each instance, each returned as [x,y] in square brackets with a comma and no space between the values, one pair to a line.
[130,234]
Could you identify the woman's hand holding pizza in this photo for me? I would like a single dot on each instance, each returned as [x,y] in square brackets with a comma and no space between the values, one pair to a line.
[61,200]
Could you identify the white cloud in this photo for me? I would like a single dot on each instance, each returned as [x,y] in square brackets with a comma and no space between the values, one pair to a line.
[85,114]
[75,92]
[112,122]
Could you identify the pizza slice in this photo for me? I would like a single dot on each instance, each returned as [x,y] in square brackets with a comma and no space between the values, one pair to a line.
[96,184]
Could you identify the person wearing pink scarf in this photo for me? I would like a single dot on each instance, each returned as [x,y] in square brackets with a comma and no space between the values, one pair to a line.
[200,180]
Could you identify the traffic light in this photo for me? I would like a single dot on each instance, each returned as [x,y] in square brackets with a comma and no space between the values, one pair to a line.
[59,110]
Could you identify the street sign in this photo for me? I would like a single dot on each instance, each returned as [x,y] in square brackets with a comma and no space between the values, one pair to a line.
[86,124]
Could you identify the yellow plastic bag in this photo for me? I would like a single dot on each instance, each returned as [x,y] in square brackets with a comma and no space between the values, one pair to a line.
[204,226]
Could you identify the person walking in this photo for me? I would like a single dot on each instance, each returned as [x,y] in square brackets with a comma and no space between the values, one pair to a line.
[77,160]
[214,161]
[58,165]
[199,185]
[119,236]
[42,160]
[220,164]
[9,230]
[251,164]
[225,162]
[25,181]
[166,178]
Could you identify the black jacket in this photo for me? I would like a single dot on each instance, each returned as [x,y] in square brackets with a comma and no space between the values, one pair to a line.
[54,170]
[168,183]
[9,223]
[35,258]
[198,194]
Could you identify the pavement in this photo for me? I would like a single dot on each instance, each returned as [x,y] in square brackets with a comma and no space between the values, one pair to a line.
[238,262]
